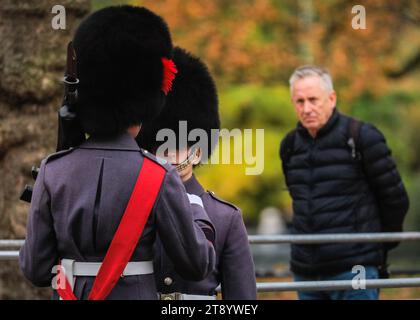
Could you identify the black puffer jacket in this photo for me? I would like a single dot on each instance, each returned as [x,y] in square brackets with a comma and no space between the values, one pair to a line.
[334,193]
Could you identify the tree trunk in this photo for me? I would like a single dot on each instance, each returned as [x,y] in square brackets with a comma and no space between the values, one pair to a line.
[32,60]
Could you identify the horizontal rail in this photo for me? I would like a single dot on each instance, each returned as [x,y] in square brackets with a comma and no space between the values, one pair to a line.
[334,238]
[301,238]
[11,243]
[301,285]
[287,273]
[336,285]
[9,255]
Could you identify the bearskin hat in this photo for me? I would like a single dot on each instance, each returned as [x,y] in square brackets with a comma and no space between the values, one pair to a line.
[121,53]
[193,99]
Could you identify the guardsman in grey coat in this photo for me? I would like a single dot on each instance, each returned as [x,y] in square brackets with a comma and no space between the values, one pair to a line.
[194,102]
[81,194]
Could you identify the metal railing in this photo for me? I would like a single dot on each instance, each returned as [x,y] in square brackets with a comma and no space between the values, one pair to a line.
[301,239]
[9,255]
[298,239]
[334,238]
[337,285]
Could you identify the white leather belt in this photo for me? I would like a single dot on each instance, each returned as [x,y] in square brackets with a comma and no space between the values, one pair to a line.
[74,268]
[132,268]
[184,296]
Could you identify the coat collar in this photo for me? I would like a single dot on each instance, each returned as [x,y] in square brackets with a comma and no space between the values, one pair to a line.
[193,186]
[325,129]
[120,142]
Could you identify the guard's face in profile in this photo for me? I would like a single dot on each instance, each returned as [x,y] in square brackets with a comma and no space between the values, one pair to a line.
[183,159]
[313,103]
[173,156]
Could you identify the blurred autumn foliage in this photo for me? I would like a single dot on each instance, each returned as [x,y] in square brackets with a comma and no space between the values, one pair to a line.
[252,47]
[264,40]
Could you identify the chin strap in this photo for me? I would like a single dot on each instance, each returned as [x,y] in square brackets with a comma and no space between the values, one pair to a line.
[181,166]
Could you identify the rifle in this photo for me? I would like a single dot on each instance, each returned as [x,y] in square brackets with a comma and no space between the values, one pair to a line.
[70,132]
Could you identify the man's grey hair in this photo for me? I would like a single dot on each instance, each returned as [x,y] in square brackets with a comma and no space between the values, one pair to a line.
[310,71]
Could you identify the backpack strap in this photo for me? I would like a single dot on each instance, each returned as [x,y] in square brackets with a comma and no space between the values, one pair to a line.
[286,148]
[354,142]
[129,230]
[353,132]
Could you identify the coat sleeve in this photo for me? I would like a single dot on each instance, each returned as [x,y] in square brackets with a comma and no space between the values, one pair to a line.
[384,179]
[183,238]
[237,265]
[39,253]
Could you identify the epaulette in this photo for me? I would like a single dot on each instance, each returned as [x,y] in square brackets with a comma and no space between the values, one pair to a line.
[57,155]
[213,195]
[165,164]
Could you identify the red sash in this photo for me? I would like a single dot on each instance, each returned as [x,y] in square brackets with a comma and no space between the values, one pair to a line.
[127,235]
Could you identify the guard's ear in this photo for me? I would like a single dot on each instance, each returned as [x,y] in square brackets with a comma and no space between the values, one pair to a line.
[197,156]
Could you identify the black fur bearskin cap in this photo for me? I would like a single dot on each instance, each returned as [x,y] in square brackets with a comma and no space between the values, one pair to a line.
[119,53]
[193,99]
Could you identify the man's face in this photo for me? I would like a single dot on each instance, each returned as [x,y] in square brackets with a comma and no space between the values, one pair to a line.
[314,104]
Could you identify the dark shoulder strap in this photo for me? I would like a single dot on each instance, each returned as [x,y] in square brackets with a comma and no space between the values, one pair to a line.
[354,138]
[355,126]
[286,148]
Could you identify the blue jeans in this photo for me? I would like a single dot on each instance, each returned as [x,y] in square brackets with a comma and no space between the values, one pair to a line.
[358,294]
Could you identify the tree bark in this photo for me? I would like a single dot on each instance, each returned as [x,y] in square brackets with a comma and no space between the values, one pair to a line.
[32,60]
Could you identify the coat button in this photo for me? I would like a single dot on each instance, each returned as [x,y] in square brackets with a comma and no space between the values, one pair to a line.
[168,281]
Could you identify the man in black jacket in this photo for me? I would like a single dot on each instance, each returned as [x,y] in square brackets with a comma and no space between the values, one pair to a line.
[342,179]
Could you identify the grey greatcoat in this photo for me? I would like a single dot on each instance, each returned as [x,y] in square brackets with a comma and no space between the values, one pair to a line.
[234,267]
[78,201]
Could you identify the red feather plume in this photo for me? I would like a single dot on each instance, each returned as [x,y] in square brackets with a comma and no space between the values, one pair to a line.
[169,71]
